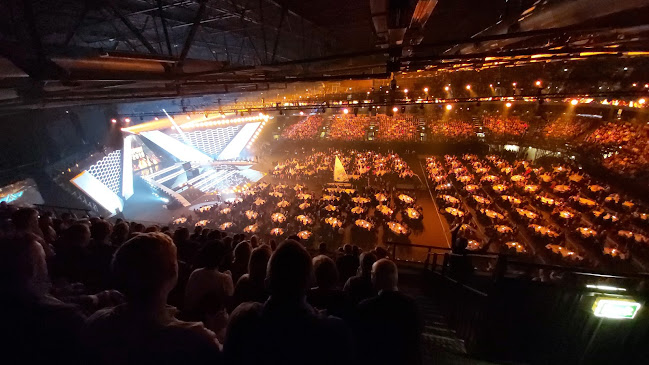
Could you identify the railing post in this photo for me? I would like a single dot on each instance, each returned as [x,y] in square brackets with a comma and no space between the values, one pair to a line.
[434,267]
[427,261]
[394,251]
[500,269]
[445,264]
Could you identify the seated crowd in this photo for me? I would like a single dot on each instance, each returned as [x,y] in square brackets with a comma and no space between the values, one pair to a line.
[304,129]
[628,144]
[398,128]
[450,130]
[348,128]
[504,127]
[89,291]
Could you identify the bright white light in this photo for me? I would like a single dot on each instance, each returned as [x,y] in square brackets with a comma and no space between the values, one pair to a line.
[538,83]
[99,192]
[615,308]
[405,91]
[127,120]
[508,105]
[604,287]
[113,121]
[446,88]
[301,113]
[395,109]
[574,102]
[642,101]
[468,87]
[449,106]
[425,89]
[345,111]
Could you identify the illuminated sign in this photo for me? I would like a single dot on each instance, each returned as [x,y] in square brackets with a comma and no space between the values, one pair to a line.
[607,307]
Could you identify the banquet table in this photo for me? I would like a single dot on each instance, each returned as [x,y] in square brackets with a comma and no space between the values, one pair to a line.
[398,228]
[384,209]
[506,170]
[595,188]
[305,220]
[412,213]
[584,201]
[251,214]
[276,194]
[503,229]
[180,220]
[636,236]
[526,213]
[471,187]
[614,252]
[406,198]
[492,214]
[381,197]
[473,245]
[465,178]
[586,232]
[512,199]
[454,211]
[499,188]
[545,178]
[566,214]
[443,187]
[543,230]
[277,231]
[517,178]
[283,204]
[564,252]
[517,246]
[362,223]
[225,226]
[260,201]
[206,208]
[481,199]
[303,196]
[304,235]
[576,177]
[278,217]
[202,223]
[304,205]
[544,200]
[358,210]
[490,178]
[360,200]
[531,188]
[333,222]
[561,188]
[330,197]
[450,199]
[331,208]
[226,210]
[251,228]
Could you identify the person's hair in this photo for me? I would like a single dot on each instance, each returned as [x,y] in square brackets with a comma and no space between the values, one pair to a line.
[120,233]
[137,228]
[242,252]
[181,234]
[22,265]
[258,262]
[324,269]
[77,234]
[153,228]
[100,230]
[22,218]
[367,260]
[197,230]
[145,265]
[289,270]
[211,255]
[322,248]
[385,274]
[254,241]
[347,249]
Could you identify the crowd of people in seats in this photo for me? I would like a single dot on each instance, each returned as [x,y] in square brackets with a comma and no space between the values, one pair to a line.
[628,145]
[83,290]
[504,127]
[450,130]
[398,128]
[557,207]
[304,129]
[566,128]
[348,127]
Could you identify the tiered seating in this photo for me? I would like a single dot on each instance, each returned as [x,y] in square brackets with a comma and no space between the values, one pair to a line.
[305,129]
[400,128]
[450,130]
[503,127]
[348,128]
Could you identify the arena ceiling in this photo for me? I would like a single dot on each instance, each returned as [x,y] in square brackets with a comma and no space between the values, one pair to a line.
[73,52]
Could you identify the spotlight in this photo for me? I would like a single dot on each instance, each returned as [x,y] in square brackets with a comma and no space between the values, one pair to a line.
[449,106]
[405,91]
[113,121]
[425,89]
[127,120]
[538,83]
[188,117]
[301,112]
[345,111]
[513,84]
[395,109]
[468,87]
[642,101]
[508,105]
[446,88]
[574,102]
[156,118]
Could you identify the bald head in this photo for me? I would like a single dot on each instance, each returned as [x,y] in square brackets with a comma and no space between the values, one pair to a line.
[385,275]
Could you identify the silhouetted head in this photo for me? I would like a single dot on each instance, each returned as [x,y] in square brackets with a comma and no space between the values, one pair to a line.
[120,233]
[258,262]
[367,260]
[211,255]
[347,249]
[145,268]
[25,219]
[254,241]
[326,274]
[23,270]
[100,230]
[385,275]
[181,235]
[77,235]
[289,271]
[242,252]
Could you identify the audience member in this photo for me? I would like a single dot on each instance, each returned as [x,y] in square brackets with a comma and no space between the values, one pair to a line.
[144,329]
[251,287]
[347,264]
[325,295]
[389,326]
[360,287]
[239,265]
[285,329]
